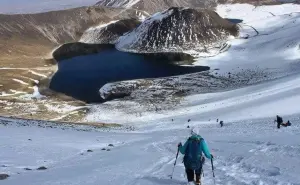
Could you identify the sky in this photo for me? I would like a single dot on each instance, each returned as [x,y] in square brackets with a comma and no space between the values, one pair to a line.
[34,6]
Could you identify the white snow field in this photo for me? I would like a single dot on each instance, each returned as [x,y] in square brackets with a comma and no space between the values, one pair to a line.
[248,150]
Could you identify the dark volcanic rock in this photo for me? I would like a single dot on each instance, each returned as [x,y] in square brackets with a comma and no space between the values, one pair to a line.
[169,56]
[89,150]
[70,50]
[111,145]
[42,168]
[109,33]
[178,30]
[3,176]
[27,169]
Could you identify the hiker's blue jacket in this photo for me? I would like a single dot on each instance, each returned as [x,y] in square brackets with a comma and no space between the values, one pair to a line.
[203,146]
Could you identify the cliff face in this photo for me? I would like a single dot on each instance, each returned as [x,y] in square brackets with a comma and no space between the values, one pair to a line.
[179,30]
[157,5]
[109,33]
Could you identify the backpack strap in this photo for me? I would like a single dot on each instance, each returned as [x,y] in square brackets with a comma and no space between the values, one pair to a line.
[197,139]
[191,139]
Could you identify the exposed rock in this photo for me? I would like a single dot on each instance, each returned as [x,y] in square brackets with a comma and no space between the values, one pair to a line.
[89,150]
[122,89]
[108,149]
[111,145]
[109,33]
[171,57]
[152,6]
[180,30]
[3,176]
[103,149]
[166,93]
[28,169]
[70,50]
[42,168]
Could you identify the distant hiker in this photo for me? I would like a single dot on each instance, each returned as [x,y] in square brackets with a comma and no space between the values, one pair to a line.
[289,123]
[193,160]
[217,120]
[221,123]
[279,121]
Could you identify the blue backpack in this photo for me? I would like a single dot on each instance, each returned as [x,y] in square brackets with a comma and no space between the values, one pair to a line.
[193,154]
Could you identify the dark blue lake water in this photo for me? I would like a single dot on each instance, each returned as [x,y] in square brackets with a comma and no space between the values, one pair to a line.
[82,77]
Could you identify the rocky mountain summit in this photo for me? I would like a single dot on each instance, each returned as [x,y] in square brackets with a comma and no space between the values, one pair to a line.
[179,30]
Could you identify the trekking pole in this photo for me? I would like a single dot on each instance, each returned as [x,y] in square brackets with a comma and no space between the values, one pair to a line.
[213,169]
[175,163]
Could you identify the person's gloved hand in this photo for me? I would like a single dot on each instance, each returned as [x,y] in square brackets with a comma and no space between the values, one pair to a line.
[179,145]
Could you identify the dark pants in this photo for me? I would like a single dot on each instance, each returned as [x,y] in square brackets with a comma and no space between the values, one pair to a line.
[191,173]
[278,124]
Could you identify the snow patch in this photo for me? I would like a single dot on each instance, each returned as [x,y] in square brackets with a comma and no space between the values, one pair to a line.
[35,95]
[20,81]
[38,74]
[101,26]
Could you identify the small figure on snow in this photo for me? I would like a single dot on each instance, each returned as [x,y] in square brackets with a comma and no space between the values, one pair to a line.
[279,121]
[221,123]
[193,160]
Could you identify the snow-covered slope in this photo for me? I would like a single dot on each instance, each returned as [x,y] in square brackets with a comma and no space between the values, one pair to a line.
[179,30]
[248,150]
[269,40]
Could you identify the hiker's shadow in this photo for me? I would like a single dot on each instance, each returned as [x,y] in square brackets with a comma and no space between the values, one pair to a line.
[158,180]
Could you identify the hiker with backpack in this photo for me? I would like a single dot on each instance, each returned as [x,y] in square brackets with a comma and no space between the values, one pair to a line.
[193,160]
[279,121]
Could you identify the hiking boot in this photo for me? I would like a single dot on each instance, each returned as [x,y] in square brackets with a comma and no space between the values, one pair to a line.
[198,180]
